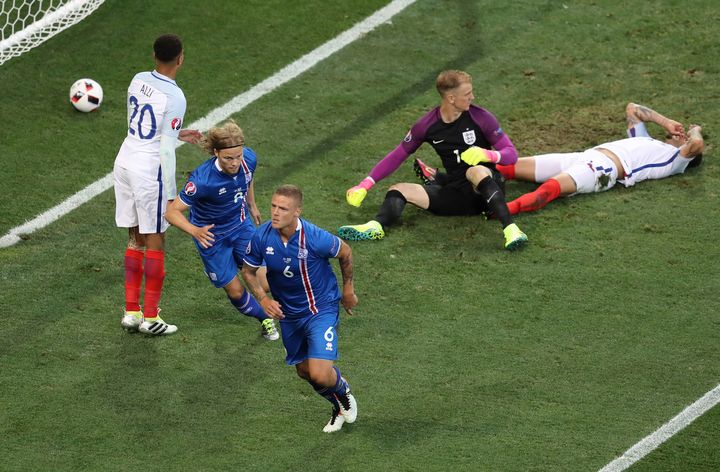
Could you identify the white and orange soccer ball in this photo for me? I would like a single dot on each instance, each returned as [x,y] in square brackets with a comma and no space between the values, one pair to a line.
[86,95]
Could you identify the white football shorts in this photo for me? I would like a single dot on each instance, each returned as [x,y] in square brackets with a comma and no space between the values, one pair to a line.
[591,170]
[139,201]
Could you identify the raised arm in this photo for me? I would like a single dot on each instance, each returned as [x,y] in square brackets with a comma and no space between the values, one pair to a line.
[635,114]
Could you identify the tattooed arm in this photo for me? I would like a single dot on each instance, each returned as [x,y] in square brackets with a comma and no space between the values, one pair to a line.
[349,299]
[638,114]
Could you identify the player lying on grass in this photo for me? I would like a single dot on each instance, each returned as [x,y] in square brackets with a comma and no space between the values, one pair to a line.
[470,143]
[628,161]
[221,199]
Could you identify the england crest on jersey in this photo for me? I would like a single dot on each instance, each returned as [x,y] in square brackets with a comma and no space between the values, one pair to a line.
[469,137]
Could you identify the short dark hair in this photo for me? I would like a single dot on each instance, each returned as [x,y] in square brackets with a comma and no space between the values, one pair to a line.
[167,47]
[291,191]
[696,161]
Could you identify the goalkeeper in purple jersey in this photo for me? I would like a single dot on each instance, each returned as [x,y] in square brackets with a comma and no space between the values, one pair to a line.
[221,199]
[470,142]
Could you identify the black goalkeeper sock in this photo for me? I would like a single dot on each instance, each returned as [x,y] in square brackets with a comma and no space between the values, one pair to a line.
[494,200]
[391,208]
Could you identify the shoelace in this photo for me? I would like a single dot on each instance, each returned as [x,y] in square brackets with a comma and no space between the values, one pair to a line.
[344,401]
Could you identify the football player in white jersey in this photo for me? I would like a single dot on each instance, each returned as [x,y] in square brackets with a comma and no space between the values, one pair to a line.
[144,177]
[627,161]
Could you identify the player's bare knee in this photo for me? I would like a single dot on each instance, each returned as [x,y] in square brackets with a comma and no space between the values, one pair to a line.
[302,371]
[321,375]
[234,289]
[477,174]
[135,239]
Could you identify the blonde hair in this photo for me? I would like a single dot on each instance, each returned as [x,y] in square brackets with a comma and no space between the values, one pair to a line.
[451,79]
[224,136]
[291,191]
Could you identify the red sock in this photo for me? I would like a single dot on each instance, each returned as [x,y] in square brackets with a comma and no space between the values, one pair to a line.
[532,201]
[507,171]
[154,276]
[133,278]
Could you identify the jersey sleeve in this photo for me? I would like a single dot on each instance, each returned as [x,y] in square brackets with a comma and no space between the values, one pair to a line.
[324,244]
[495,135]
[412,141]
[253,253]
[189,194]
[250,158]
[174,115]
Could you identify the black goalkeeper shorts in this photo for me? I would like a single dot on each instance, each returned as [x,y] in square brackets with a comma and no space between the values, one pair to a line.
[459,198]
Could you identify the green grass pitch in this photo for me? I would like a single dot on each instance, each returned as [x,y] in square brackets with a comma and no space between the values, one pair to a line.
[462,356]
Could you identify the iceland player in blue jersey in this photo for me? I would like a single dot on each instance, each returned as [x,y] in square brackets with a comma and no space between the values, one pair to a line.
[221,199]
[305,296]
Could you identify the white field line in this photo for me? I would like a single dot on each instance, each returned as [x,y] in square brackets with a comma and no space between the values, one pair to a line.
[236,104]
[665,432]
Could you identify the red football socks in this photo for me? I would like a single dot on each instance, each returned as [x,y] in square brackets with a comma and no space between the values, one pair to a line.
[506,171]
[133,278]
[532,201]
[154,276]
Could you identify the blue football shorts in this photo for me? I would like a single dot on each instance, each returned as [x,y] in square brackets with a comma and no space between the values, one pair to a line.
[312,336]
[225,256]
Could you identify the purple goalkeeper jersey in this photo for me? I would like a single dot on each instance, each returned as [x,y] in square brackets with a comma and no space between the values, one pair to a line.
[475,127]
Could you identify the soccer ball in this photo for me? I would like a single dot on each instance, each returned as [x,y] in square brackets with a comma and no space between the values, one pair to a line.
[86,95]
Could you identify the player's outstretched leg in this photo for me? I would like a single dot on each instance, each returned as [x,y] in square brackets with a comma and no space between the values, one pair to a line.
[365,232]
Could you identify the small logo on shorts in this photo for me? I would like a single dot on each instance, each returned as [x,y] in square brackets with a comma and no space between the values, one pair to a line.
[329,346]
[213,276]
[190,188]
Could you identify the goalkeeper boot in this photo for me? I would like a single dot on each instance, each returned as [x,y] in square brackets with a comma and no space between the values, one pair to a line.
[370,230]
[337,420]
[424,172]
[131,321]
[156,326]
[514,238]
[348,404]
[268,330]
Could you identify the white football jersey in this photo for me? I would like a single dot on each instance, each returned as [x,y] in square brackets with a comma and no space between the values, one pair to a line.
[156,106]
[646,158]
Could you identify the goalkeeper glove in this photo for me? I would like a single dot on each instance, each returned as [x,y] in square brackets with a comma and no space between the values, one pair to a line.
[355,195]
[475,155]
